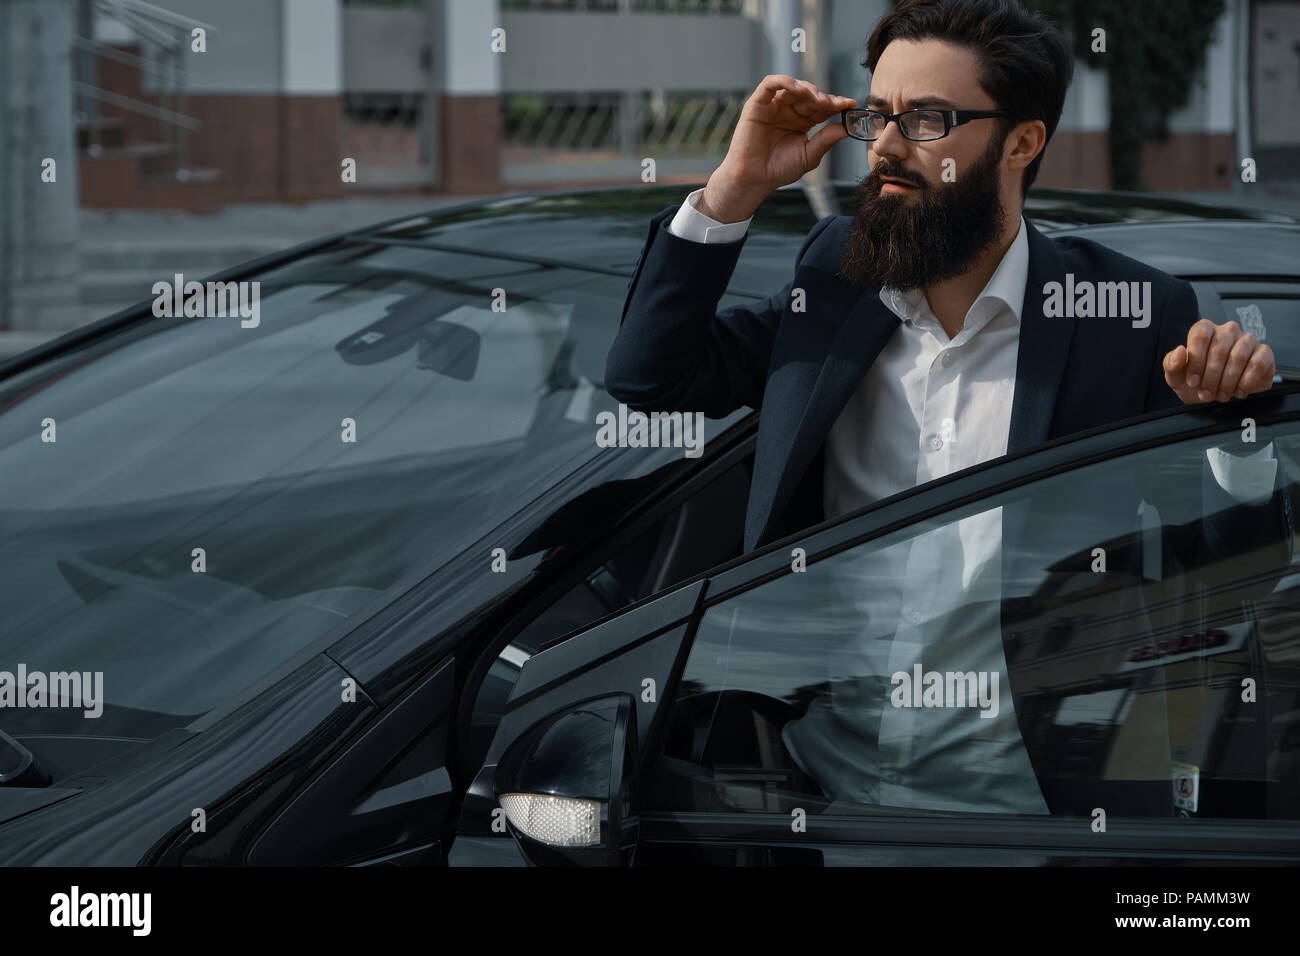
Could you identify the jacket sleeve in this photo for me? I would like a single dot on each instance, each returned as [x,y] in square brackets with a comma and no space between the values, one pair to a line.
[674,351]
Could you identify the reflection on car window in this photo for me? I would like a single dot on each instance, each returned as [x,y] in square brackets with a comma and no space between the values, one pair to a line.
[1123,636]
[218,497]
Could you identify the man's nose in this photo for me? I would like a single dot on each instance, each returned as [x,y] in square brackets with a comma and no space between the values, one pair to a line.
[891,143]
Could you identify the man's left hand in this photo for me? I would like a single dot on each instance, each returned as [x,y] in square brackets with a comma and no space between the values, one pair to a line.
[1219,362]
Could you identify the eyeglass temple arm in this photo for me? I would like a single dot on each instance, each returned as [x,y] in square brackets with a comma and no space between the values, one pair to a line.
[958,117]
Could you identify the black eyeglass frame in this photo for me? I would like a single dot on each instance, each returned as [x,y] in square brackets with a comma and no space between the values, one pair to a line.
[951,118]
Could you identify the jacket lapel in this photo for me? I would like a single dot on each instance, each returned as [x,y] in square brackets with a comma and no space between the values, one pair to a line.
[1044,343]
[802,415]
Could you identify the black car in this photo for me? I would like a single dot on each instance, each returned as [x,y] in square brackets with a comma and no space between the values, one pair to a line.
[360,586]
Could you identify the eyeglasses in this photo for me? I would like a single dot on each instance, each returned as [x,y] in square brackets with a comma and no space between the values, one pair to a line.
[920,126]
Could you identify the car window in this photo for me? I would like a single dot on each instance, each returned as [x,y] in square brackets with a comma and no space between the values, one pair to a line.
[1124,635]
[1272,318]
[197,500]
[704,531]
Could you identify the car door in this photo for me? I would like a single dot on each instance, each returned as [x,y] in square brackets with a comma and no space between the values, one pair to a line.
[1086,653]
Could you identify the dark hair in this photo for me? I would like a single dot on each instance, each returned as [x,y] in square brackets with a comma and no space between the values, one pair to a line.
[1026,64]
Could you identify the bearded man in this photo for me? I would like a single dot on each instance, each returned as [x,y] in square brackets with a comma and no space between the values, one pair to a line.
[923,335]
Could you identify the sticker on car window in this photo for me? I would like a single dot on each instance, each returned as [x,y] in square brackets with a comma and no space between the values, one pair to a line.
[1187,786]
[1252,320]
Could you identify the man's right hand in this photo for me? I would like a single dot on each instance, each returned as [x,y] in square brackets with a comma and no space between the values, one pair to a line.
[770,147]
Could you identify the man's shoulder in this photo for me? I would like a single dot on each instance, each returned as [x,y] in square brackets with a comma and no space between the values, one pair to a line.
[825,242]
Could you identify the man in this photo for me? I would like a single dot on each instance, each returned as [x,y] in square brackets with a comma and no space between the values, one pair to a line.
[919,337]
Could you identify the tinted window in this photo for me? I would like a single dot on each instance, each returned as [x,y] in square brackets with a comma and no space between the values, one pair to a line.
[1125,635]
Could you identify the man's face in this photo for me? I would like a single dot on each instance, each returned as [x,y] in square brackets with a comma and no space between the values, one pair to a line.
[927,211]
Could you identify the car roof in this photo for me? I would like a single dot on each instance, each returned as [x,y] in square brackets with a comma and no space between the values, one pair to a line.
[1183,237]
[606,227]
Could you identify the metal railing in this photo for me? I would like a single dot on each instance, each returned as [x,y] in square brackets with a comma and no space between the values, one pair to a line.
[676,123]
[547,133]
[164,37]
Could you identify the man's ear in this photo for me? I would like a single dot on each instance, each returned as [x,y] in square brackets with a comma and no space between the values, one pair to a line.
[1024,143]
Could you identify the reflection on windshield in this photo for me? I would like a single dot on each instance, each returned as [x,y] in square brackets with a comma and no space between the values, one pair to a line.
[217,498]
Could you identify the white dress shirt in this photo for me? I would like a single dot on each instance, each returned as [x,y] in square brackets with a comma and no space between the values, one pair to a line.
[926,407]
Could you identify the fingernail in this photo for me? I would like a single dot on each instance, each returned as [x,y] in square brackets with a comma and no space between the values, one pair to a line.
[1223,396]
[1193,380]
[1204,395]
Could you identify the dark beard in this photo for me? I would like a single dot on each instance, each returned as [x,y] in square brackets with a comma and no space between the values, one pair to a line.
[909,242]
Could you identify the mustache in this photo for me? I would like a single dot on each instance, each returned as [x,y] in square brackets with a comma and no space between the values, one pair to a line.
[894,171]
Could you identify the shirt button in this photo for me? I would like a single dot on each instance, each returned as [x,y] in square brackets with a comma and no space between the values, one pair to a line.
[911,615]
[945,359]
[935,443]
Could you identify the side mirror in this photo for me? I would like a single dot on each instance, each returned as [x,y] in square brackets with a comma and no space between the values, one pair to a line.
[566,786]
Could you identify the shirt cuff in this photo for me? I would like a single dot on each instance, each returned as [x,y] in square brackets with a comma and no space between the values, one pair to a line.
[690,223]
[1247,478]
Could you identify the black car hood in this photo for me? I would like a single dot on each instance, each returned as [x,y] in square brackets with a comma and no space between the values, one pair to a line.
[16,801]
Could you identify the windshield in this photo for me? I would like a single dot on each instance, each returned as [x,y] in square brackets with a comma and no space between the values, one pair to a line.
[189,503]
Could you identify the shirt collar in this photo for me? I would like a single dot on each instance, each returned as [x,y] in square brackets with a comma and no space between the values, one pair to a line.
[1006,285]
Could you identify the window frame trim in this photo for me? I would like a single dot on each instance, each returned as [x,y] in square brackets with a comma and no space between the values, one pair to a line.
[1203,840]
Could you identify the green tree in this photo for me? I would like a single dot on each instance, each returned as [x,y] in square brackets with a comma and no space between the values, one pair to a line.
[1154,54]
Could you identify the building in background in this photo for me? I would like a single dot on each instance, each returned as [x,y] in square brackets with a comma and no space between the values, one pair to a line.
[574,92]
[1274,72]
[191,104]
[211,105]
